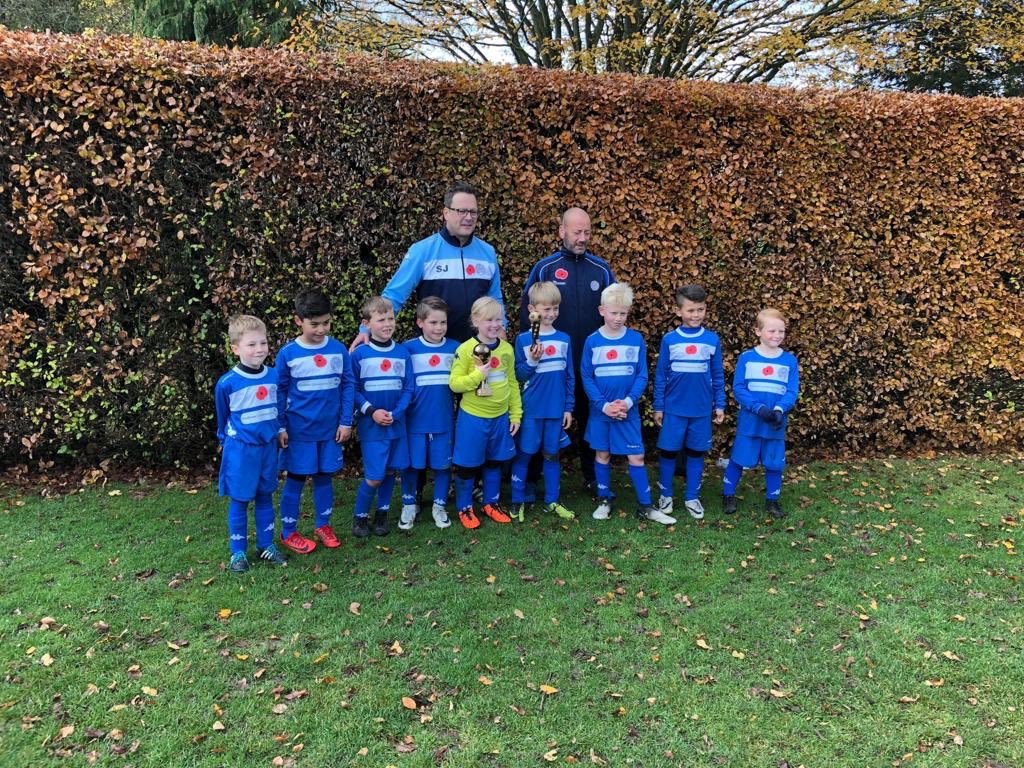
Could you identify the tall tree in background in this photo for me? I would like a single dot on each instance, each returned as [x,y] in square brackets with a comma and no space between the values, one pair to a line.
[729,40]
[969,48]
[222,22]
[70,16]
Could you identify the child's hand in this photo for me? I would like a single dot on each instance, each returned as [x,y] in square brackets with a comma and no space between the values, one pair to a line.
[566,420]
[777,417]
[343,434]
[383,418]
[536,352]
[719,415]
[658,417]
[484,368]
[282,440]
[513,428]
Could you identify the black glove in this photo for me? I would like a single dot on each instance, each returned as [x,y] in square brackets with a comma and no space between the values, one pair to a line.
[765,414]
[777,417]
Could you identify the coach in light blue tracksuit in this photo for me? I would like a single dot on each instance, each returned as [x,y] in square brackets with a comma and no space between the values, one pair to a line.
[452,264]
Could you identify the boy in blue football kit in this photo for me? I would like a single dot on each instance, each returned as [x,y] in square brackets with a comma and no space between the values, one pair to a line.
[544,371]
[246,402]
[431,416]
[766,385]
[315,418]
[688,383]
[613,366]
[384,391]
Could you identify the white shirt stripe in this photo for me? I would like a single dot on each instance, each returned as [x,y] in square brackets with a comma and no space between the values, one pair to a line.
[249,397]
[315,365]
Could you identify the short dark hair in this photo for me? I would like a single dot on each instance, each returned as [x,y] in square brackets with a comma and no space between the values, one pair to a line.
[459,186]
[694,293]
[430,304]
[312,302]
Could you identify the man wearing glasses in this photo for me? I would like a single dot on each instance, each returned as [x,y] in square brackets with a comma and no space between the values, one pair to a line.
[451,264]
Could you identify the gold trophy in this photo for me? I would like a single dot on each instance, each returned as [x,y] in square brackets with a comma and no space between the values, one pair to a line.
[535,327]
[483,353]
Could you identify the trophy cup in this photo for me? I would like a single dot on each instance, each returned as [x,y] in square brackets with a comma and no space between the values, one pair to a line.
[535,327]
[483,353]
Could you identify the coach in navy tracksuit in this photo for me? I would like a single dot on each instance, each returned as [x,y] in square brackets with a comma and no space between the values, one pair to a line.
[580,277]
[452,264]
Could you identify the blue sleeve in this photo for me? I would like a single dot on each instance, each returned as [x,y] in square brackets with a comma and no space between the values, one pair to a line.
[222,403]
[661,375]
[640,382]
[408,389]
[495,290]
[348,391]
[570,379]
[792,389]
[284,383]
[524,371]
[359,398]
[524,302]
[589,382]
[717,378]
[739,387]
[405,280]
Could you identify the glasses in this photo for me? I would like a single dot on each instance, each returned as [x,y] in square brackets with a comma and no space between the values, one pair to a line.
[464,212]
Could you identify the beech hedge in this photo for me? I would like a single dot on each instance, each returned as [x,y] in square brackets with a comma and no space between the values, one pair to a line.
[148,190]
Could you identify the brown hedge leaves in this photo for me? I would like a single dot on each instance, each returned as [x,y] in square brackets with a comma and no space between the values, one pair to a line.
[148,190]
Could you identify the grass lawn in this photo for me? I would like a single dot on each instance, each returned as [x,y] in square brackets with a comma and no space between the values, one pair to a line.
[879,624]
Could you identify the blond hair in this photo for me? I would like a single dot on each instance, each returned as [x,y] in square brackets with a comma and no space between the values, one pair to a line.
[376,305]
[239,325]
[484,308]
[617,295]
[545,292]
[766,314]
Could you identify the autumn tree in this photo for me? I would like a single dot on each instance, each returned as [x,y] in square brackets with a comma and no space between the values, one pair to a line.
[732,40]
[970,48]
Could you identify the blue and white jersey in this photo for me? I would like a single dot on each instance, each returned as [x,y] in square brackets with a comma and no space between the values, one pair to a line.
[247,406]
[548,385]
[459,273]
[613,369]
[433,405]
[689,380]
[317,389]
[383,380]
[760,380]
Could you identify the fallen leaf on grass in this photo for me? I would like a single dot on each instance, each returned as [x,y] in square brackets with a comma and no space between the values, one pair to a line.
[485,680]
[702,643]
[149,691]
[739,655]
[408,702]
[320,587]
[46,660]
[950,655]
[353,608]
[66,731]
[909,699]
[550,690]
[491,579]
[518,614]
[780,694]
[279,709]
[551,756]
[224,613]
[218,725]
